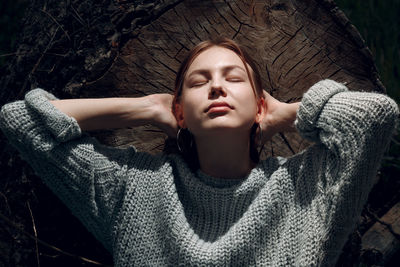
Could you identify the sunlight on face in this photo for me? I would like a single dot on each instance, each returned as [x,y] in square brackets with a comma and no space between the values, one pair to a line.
[217,94]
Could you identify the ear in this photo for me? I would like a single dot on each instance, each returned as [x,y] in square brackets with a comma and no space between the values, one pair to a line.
[261,109]
[179,115]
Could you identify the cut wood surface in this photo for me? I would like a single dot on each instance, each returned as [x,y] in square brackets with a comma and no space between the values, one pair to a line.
[294,43]
[383,238]
[132,48]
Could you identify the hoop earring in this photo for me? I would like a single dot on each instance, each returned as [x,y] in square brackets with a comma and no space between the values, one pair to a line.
[182,138]
[260,142]
[177,140]
[259,135]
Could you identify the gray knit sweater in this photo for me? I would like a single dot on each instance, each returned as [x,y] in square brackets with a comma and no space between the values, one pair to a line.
[154,211]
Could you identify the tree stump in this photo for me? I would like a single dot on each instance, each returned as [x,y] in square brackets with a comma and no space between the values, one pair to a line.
[382,240]
[134,48]
[293,42]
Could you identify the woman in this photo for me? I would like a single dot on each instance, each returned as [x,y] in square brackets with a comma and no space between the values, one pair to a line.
[216,205]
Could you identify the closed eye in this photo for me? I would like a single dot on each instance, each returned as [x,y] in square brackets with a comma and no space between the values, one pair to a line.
[234,79]
[198,83]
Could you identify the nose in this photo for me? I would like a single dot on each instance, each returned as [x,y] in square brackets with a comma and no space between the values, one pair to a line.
[216,90]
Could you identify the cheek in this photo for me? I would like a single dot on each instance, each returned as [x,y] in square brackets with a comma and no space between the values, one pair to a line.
[249,114]
[191,101]
[189,109]
[247,100]
[192,119]
[188,113]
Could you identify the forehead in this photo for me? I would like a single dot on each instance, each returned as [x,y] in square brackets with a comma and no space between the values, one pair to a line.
[214,58]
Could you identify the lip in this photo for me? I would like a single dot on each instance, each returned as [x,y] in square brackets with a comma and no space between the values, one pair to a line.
[218,107]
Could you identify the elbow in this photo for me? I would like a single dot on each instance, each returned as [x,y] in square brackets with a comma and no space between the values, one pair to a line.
[387,114]
[9,120]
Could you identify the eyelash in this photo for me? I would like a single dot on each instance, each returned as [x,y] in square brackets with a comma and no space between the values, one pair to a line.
[233,79]
[199,84]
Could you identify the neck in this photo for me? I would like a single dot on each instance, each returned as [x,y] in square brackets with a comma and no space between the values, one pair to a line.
[225,156]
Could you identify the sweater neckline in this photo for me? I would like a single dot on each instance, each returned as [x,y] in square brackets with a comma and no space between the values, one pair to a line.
[199,181]
[218,182]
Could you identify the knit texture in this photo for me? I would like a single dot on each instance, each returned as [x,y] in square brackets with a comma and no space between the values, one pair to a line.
[154,211]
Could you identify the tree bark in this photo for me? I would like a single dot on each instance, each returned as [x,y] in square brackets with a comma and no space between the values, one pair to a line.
[133,48]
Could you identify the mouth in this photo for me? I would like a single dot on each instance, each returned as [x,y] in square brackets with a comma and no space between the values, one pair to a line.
[218,107]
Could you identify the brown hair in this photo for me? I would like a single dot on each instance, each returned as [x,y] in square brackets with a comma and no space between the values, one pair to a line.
[190,153]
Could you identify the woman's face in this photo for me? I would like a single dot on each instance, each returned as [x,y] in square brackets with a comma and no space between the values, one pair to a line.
[217,94]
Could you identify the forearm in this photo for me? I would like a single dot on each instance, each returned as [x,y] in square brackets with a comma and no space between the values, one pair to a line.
[107,113]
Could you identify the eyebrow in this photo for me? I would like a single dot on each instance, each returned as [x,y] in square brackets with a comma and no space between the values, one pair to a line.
[225,69]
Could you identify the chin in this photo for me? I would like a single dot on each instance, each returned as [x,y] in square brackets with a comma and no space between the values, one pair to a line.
[220,124]
[218,128]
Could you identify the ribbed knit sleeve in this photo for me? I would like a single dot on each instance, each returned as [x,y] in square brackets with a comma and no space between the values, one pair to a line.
[87,176]
[352,131]
[355,126]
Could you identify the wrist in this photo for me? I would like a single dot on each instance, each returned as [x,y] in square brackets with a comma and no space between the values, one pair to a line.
[291,114]
[149,110]
[160,106]
[281,118]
